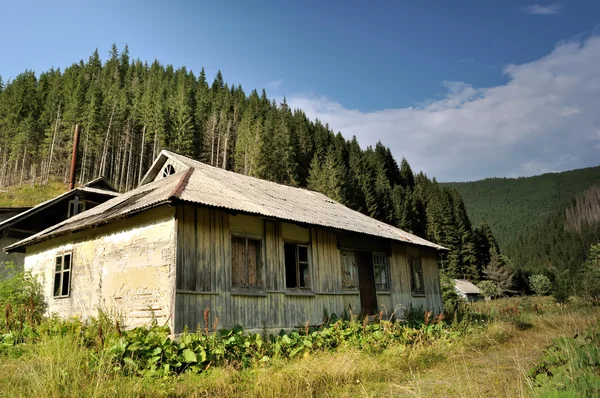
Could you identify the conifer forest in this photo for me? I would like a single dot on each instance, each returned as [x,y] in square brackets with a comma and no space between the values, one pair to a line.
[128,110]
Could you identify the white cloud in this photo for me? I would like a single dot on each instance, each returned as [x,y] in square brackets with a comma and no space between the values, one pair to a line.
[545,118]
[274,84]
[537,9]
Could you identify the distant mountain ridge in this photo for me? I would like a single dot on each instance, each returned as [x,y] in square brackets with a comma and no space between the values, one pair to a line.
[545,224]
[511,205]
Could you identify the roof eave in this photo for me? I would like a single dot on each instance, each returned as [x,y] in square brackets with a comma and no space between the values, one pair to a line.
[21,245]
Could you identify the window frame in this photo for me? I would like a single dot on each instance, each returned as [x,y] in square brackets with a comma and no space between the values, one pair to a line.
[386,267]
[62,271]
[260,263]
[80,203]
[168,170]
[308,266]
[413,273]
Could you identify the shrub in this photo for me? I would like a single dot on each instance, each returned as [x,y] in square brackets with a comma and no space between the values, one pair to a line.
[489,289]
[540,284]
[449,296]
[21,300]
[589,288]
[560,292]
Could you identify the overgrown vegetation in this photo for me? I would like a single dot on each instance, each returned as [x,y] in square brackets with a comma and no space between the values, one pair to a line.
[570,367]
[58,358]
[29,196]
[98,357]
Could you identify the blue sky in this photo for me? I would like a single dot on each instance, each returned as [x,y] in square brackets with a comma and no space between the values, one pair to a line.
[361,66]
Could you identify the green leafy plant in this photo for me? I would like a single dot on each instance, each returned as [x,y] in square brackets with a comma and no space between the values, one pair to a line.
[21,301]
[489,289]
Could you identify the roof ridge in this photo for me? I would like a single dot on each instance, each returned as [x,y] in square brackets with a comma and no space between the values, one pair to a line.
[182,183]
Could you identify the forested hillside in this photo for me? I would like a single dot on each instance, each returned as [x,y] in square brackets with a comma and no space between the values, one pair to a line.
[545,224]
[559,244]
[128,110]
[511,205]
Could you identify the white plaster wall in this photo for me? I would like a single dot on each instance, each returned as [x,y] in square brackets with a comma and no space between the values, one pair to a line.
[126,267]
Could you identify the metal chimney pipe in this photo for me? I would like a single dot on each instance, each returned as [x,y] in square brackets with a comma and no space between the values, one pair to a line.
[74,158]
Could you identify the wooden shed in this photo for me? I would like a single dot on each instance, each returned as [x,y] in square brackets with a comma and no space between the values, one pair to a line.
[19,223]
[255,253]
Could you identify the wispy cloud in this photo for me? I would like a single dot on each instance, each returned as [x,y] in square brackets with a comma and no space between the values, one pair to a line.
[545,118]
[467,61]
[274,84]
[538,9]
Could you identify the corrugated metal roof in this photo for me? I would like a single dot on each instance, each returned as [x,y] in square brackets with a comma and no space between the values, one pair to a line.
[210,186]
[98,190]
[466,287]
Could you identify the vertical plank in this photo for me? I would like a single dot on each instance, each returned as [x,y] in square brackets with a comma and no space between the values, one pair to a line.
[189,247]
[252,264]
[179,252]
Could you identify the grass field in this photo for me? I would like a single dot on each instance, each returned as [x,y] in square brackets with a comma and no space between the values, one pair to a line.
[28,196]
[504,356]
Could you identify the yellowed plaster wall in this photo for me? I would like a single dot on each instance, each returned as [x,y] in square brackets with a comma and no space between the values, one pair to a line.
[127,267]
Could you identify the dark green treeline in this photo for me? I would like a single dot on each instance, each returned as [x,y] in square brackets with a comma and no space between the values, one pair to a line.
[128,110]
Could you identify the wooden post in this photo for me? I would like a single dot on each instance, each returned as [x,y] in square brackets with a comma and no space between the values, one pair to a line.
[74,158]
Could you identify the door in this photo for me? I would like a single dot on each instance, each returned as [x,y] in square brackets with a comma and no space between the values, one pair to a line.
[366,283]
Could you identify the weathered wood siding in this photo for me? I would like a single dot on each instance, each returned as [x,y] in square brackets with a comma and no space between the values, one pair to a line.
[204,265]
[126,267]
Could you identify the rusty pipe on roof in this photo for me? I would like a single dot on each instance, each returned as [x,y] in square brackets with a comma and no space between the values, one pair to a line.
[74,158]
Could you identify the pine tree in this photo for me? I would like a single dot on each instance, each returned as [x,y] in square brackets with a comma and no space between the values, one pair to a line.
[326,176]
[497,272]
[405,208]
[407,178]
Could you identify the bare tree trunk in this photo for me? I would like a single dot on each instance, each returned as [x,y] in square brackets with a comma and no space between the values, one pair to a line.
[224,164]
[33,175]
[213,127]
[130,171]
[142,155]
[124,156]
[53,141]
[105,149]
[155,146]
[218,150]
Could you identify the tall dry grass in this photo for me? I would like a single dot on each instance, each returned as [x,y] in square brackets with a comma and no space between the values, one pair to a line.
[488,362]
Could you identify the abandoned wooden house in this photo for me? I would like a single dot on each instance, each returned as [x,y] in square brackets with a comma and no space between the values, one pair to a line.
[25,222]
[255,253]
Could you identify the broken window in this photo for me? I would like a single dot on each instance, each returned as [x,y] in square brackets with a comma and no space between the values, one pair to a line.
[62,276]
[416,275]
[246,262]
[296,266]
[349,270]
[75,207]
[381,267]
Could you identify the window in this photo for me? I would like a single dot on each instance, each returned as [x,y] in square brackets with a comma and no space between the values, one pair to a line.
[296,266]
[246,262]
[62,276]
[382,271]
[168,170]
[75,207]
[416,275]
[349,270]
